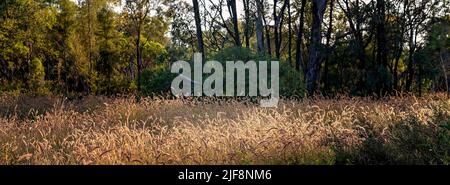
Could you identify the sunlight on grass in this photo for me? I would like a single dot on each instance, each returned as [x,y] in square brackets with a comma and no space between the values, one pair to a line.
[100,130]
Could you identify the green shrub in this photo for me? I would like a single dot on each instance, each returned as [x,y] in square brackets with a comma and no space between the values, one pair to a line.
[291,81]
[379,79]
[156,80]
[38,85]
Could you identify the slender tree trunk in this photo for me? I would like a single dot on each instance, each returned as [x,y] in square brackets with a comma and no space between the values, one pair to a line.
[267,28]
[139,58]
[397,60]
[130,68]
[198,26]
[355,28]
[381,34]
[382,47]
[400,45]
[410,68]
[278,26]
[319,7]
[299,58]
[247,23]
[259,28]
[289,33]
[275,18]
[359,38]
[327,59]
[232,5]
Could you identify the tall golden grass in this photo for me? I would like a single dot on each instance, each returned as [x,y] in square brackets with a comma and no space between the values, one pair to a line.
[100,130]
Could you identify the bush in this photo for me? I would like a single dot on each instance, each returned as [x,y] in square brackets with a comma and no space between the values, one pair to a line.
[291,81]
[156,80]
[379,79]
[38,85]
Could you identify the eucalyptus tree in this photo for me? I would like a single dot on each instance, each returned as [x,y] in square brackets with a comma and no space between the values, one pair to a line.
[318,11]
[138,11]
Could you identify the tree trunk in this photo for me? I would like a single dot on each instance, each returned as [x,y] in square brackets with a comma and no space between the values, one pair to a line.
[400,42]
[381,34]
[410,68]
[319,7]
[278,26]
[198,26]
[259,28]
[356,32]
[382,47]
[395,71]
[247,23]
[289,33]
[397,61]
[267,28]
[138,56]
[275,18]
[327,59]
[237,38]
[299,58]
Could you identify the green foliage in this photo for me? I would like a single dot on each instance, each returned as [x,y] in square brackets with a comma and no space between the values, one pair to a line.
[156,81]
[89,47]
[237,54]
[153,53]
[25,26]
[291,81]
[175,53]
[37,73]
[379,79]
[435,56]
[156,78]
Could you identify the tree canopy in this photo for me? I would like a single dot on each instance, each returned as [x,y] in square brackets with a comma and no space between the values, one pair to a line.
[355,47]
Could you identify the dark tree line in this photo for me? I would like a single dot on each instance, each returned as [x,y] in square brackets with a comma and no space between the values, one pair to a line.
[357,47]
[376,41]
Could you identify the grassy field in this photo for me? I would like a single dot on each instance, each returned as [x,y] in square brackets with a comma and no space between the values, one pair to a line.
[100,130]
